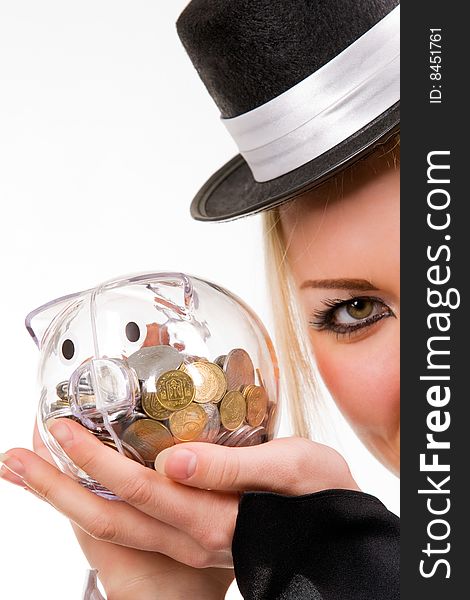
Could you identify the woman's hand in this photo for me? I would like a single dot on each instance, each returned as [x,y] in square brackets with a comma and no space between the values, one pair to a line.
[191,523]
[130,574]
[127,573]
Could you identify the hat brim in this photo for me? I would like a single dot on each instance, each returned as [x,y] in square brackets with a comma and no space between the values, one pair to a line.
[232,192]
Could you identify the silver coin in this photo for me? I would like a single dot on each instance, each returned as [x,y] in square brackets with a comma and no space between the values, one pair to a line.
[220,360]
[211,430]
[62,389]
[153,361]
[239,369]
[190,358]
[138,402]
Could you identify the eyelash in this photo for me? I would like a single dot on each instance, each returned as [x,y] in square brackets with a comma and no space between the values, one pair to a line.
[323,320]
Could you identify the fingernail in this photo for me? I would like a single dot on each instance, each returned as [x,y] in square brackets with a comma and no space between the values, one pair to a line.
[62,433]
[176,464]
[13,464]
[7,475]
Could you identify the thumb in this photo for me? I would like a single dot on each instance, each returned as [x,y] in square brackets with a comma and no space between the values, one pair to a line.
[286,465]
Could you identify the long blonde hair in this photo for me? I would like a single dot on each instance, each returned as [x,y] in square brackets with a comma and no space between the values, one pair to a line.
[299,377]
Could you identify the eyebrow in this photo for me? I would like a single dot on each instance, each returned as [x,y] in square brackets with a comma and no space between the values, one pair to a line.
[339,284]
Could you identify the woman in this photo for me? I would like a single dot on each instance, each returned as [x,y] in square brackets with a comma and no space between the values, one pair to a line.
[287,515]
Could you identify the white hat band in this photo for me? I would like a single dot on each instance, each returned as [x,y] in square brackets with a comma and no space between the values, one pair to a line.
[324,109]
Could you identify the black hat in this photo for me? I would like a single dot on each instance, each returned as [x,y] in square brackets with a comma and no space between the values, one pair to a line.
[305,87]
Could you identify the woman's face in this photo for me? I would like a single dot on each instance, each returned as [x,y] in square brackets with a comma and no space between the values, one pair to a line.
[344,254]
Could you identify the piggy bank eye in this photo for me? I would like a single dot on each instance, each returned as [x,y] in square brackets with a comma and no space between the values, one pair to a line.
[68,349]
[132,331]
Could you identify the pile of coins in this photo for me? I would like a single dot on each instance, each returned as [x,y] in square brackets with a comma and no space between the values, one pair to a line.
[185,398]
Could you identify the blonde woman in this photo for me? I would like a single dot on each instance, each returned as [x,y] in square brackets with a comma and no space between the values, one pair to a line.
[309,90]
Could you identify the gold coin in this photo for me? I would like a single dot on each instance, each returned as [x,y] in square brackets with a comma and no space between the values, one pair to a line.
[188,424]
[152,407]
[209,381]
[175,390]
[148,437]
[232,410]
[257,405]
[245,389]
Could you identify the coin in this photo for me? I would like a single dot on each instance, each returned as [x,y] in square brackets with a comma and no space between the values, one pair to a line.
[271,419]
[129,451]
[257,404]
[189,423]
[233,436]
[138,402]
[62,402]
[253,437]
[232,410]
[152,406]
[153,361]
[238,369]
[190,358]
[222,435]
[62,390]
[175,390]
[260,378]
[211,430]
[209,381]
[148,437]
[220,360]
[123,424]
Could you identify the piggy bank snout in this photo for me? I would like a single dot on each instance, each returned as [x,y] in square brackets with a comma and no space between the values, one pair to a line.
[102,385]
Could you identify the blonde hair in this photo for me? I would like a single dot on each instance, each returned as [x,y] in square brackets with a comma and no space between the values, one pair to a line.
[299,377]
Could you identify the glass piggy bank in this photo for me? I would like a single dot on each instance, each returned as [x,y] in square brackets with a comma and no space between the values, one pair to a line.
[152,360]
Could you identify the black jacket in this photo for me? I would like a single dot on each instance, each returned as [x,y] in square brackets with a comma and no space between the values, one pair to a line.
[330,545]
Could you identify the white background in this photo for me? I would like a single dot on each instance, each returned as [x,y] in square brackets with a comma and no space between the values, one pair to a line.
[106,133]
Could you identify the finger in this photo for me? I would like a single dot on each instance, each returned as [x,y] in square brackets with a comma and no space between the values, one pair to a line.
[105,520]
[287,465]
[187,509]
[8,475]
[40,447]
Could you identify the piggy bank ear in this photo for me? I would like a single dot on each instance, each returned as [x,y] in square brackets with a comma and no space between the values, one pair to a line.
[39,319]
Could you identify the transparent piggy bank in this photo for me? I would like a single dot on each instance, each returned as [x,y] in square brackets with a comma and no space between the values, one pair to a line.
[152,360]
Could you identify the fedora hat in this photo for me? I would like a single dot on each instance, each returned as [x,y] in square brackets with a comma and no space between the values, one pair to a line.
[304,87]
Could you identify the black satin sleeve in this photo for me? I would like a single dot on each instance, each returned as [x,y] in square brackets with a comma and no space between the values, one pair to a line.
[330,545]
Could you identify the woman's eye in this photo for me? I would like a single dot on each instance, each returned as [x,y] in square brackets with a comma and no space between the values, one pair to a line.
[347,316]
[356,310]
